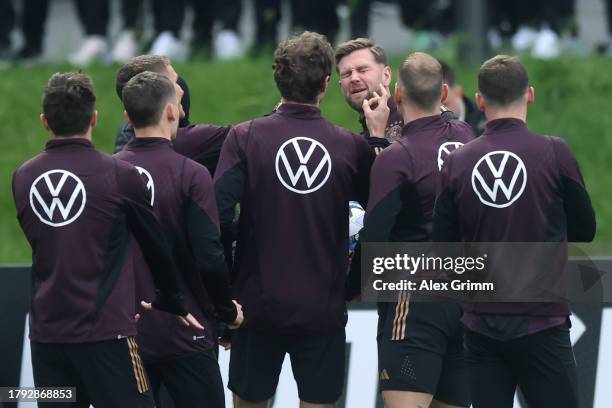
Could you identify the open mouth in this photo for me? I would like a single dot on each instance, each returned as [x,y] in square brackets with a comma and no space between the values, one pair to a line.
[356,91]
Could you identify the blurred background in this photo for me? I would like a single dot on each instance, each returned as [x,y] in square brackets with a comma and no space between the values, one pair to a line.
[223,50]
[82,32]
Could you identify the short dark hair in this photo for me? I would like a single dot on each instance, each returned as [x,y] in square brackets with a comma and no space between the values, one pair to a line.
[448,73]
[136,65]
[503,80]
[145,96]
[346,48]
[421,77]
[301,64]
[68,103]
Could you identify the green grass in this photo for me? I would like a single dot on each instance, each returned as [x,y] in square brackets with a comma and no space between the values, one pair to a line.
[572,101]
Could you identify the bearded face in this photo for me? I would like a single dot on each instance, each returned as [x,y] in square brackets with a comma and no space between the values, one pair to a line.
[361,76]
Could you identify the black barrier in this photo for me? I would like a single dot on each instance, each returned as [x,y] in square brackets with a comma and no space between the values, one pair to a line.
[14,301]
[14,305]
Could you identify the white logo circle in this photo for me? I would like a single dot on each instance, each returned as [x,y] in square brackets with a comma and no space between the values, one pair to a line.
[503,180]
[445,149]
[320,164]
[73,191]
[149,182]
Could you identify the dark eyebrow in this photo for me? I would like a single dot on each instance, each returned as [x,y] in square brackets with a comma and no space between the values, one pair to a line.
[359,67]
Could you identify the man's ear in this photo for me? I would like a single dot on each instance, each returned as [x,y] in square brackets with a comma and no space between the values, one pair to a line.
[480,102]
[171,112]
[530,95]
[397,94]
[387,74]
[444,93]
[127,117]
[44,122]
[94,119]
[325,84]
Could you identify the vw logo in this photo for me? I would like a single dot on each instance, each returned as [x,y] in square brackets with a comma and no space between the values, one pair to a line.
[495,171]
[57,190]
[303,165]
[445,150]
[149,182]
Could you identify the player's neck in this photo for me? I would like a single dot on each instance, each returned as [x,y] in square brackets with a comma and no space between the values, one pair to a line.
[511,113]
[411,113]
[153,131]
[315,104]
[87,136]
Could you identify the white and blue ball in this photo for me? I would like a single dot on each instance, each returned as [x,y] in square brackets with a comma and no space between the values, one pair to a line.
[356,213]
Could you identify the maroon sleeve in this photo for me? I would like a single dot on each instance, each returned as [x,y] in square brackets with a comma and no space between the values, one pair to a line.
[446,220]
[580,216]
[201,143]
[230,178]
[364,165]
[203,230]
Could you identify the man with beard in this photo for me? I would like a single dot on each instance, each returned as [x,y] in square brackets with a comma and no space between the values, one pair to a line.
[363,69]
[364,72]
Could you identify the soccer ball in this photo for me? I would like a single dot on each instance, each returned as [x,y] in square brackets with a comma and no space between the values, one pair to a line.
[356,213]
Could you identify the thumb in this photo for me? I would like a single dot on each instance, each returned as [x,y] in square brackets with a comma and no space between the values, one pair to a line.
[366,106]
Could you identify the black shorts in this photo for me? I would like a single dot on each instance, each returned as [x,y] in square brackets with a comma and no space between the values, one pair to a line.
[192,380]
[106,374]
[420,349]
[317,360]
[541,364]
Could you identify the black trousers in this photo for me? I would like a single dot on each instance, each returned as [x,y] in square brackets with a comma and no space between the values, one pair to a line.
[316,15]
[94,16]
[106,374]
[541,364]
[169,15]
[267,17]
[7,22]
[530,12]
[360,18]
[129,11]
[33,23]
[609,14]
[193,381]
[206,11]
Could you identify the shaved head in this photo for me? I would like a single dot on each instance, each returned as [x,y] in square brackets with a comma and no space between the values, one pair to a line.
[421,79]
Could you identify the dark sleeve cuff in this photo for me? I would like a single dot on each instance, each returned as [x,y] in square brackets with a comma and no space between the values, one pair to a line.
[228,315]
[171,303]
[378,142]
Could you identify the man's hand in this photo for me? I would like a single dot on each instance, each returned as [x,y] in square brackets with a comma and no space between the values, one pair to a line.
[187,320]
[376,112]
[239,317]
